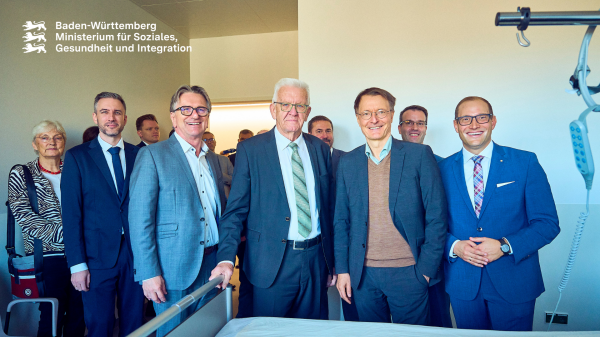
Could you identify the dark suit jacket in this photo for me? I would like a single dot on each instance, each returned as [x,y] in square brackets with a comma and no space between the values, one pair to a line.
[232,158]
[258,196]
[521,209]
[335,160]
[92,213]
[141,144]
[417,205]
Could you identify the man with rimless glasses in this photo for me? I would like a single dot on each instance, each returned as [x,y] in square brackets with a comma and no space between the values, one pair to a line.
[413,125]
[177,198]
[412,128]
[500,213]
[390,219]
[281,197]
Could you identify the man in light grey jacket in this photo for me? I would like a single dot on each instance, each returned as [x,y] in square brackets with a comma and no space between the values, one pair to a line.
[176,199]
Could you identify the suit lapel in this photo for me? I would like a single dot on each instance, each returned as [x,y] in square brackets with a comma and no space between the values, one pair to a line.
[183,163]
[362,184]
[95,151]
[396,166]
[272,156]
[129,162]
[312,151]
[496,169]
[459,174]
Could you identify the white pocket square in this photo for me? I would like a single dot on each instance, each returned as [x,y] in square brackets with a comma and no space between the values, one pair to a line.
[502,184]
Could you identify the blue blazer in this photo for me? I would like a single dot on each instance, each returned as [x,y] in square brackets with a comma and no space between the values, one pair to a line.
[166,217]
[522,210]
[417,203]
[93,215]
[258,196]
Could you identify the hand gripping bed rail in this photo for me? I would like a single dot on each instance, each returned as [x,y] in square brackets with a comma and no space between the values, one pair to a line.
[177,308]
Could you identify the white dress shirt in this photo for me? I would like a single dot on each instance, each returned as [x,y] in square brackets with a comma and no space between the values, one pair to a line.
[105,146]
[209,196]
[285,161]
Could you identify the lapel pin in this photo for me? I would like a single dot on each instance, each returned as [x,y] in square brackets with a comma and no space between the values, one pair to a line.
[500,160]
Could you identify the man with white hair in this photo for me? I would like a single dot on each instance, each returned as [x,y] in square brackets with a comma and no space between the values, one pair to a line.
[281,194]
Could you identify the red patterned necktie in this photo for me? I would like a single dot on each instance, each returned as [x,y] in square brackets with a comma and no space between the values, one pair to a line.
[478,183]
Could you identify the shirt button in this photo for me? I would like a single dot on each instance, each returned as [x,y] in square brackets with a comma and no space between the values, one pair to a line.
[479,229]
[201,242]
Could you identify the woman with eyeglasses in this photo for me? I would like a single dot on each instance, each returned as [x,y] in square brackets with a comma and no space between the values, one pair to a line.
[49,144]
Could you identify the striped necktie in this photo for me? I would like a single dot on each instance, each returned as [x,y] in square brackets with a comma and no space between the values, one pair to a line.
[478,183]
[302,204]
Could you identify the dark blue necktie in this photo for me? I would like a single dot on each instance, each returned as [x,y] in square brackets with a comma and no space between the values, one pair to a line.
[119,177]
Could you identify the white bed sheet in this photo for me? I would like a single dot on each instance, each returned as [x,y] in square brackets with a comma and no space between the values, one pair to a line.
[269,326]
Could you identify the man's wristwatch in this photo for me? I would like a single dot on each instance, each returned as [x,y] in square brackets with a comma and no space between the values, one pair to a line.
[504,246]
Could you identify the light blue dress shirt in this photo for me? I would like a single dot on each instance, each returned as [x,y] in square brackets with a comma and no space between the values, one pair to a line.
[285,161]
[384,152]
[207,189]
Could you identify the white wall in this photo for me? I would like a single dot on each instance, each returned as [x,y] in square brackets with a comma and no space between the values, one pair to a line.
[434,53]
[244,67]
[62,87]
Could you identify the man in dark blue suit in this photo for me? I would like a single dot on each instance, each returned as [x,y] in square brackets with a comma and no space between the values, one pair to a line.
[390,219]
[281,193]
[147,130]
[95,187]
[413,128]
[500,213]
[322,128]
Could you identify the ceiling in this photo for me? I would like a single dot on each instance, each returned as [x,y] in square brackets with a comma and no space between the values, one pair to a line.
[212,18]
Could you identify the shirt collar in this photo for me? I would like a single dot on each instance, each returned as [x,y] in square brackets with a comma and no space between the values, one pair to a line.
[283,143]
[486,153]
[188,147]
[105,146]
[384,151]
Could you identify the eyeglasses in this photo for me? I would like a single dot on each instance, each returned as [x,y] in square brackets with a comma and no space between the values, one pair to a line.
[467,120]
[287,107]
[366,115]
[208,139]
[46,139]
[188,110]
[411,123]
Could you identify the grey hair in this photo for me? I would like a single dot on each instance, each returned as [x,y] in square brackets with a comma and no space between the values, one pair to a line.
[45,126]
[106,94]
[291,82]
[193,89]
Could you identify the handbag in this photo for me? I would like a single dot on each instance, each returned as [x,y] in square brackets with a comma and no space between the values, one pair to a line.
[26,277]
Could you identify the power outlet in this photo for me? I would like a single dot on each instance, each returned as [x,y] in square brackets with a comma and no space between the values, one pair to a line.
[558,318]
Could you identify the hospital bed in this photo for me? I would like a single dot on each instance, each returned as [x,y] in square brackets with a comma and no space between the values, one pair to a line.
[215,319]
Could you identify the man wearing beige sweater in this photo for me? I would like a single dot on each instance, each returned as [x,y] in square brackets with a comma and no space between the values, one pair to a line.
[390,219]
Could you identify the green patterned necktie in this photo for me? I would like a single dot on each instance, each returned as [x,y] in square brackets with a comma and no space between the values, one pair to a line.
[302,205]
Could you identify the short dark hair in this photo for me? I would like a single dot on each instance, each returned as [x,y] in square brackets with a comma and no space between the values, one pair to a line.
[245,132]
[140,121]
[90,133]
[375,92]
[414,107]
[106,94]
[185,89]
[318,119]
[469,99]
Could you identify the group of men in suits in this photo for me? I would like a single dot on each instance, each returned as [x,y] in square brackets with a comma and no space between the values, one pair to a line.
[386,222]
